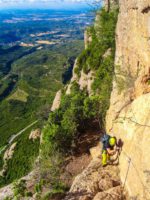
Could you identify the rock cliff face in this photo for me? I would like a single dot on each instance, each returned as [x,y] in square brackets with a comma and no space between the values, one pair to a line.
[84,81]
[128,115]
[97,183]
[56,102]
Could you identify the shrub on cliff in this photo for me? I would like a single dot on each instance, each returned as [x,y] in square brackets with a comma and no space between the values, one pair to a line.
[75,109]
[103,38]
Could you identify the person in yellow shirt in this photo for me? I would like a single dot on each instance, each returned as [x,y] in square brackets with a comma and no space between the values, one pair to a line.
[109,150]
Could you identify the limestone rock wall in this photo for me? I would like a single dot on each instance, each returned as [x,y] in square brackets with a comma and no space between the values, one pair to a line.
[84,81]
[97,183]
[129,114]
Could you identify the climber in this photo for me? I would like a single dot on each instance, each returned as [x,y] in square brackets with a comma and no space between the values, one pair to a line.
[109,150]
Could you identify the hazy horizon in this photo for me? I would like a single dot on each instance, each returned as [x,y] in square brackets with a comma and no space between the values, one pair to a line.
[45,4]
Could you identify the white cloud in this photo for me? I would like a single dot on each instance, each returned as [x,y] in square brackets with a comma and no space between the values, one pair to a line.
[47,1]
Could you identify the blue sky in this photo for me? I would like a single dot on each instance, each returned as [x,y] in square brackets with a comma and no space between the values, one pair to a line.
[56,4]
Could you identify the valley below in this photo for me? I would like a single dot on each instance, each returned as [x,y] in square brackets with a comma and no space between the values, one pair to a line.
[37,54]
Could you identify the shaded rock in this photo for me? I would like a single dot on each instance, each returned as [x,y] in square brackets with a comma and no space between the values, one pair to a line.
[88,180]
[111,194]
[105,184]
[86,81]
[82,195]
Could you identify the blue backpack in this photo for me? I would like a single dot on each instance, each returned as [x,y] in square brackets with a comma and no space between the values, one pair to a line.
[105,138]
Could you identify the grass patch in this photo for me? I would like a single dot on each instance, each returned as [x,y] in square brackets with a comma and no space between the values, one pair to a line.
[25,153]
[19,95]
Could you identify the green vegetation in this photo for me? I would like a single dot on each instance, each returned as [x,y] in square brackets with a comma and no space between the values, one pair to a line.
[78,109]
[62,129]
[66,76]
[64,125]
[10,55]
[1,161]
[103,82]
[26,151]
[52,194]
[99,56]
[21,26]
[19,190]
[39,76]
[19,95]
[103,38]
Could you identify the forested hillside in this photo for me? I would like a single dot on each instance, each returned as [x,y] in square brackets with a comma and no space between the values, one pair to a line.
[27,89]
[77,109]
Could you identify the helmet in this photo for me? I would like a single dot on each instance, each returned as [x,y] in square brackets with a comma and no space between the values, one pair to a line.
[112,141]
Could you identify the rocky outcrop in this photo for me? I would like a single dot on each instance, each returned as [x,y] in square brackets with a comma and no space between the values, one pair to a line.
[35,134]
[31,179]
[56,102]
[87,38]
[128,115]
[84,81]
[6,191]
[9,152]
[114,193]
[7,156]
[74,78]
[97,183]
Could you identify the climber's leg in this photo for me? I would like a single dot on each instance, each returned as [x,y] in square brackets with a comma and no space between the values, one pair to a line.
[104,158]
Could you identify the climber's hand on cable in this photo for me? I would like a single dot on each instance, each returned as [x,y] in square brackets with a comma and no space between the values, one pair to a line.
[111,152]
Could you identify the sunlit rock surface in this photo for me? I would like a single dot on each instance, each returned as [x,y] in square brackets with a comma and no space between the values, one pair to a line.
[128,115]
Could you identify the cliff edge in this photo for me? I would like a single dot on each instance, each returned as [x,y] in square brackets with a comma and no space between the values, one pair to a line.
[128,115]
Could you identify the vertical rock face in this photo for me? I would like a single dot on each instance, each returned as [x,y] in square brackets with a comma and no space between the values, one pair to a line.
[85,80]
[129,114]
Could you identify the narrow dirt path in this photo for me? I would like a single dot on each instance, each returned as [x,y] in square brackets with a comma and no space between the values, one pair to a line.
[13,137]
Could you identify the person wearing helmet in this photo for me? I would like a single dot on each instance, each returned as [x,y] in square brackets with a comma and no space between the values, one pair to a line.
[109,148]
